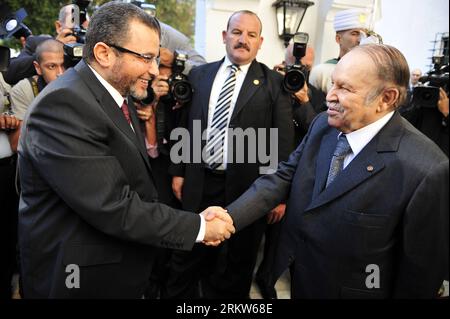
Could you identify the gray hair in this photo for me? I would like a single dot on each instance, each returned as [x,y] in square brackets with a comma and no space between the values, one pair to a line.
[391,67]
[110,24]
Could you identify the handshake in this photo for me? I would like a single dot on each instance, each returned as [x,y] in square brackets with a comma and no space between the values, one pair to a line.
[219,225]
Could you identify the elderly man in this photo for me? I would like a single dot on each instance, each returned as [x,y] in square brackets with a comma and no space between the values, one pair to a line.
[90,214]
[367,194]
[348,25]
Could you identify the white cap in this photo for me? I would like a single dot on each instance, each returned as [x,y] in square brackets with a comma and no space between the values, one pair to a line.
[350,19]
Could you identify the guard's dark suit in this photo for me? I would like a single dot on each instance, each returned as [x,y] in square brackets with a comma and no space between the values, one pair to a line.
[262,103]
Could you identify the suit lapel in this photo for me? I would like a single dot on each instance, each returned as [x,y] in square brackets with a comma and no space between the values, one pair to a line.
[112,110]
[368,163]
[327,147]
[204,90]
[252,82]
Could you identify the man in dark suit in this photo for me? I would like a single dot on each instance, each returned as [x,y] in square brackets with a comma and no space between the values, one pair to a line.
[306,104]
[235,93]
[367,209]
[89,210]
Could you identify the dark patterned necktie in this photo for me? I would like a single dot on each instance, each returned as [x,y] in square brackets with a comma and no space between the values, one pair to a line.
[337,162]
[125,111]
[214,145]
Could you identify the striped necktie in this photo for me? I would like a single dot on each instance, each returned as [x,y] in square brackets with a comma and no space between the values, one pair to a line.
[337,162]
[215,143]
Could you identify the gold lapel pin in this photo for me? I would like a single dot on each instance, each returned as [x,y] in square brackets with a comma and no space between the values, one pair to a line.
[370,168]
[256,82]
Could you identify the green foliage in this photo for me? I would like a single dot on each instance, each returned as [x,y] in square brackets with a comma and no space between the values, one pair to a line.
[180,14]
[42,14]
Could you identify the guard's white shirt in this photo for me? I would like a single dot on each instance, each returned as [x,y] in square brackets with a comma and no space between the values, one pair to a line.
[219,80]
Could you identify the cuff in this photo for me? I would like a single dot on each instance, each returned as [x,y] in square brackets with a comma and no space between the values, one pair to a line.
[202,231]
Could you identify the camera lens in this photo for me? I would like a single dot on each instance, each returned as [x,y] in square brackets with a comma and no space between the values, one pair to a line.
[182,91]
[294,80]
[426,96]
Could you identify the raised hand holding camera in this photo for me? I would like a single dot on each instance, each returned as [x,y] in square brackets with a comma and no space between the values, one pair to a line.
[296,75]
[180,90]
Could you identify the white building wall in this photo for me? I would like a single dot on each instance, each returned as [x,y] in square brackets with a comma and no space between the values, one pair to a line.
[409,25]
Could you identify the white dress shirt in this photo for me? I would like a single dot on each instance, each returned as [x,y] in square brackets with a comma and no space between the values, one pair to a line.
[360,138]
[119,99]
[219,80]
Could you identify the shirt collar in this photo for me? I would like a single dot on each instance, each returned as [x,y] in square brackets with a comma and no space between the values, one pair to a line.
[118,98]
[242,68]
[360,138]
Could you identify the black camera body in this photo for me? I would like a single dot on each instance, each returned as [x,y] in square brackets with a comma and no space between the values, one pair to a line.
[427,96]
[73,53]
[296,74]
[80,34]
[180,90]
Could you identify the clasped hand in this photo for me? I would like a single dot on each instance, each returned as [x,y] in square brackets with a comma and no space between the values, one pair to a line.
[219,225]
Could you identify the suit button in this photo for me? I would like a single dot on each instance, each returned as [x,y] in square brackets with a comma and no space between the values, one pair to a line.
[290,259]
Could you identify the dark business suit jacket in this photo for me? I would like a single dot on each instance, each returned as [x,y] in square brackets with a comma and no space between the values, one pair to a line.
[261,103]
[88,197]
[389,207]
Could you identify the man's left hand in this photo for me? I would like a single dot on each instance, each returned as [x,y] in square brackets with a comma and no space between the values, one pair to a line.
[276,214]
[302,95]
[443,102]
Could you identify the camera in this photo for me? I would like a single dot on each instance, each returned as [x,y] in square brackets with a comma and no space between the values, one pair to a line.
[439,75]
[180,90]
[73,53]
[427,96]
[76,15]
[297,74]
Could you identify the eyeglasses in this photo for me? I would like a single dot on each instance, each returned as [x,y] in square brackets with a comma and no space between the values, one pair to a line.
[149,59]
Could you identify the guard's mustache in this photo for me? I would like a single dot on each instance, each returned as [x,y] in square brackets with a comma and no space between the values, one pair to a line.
[242,45]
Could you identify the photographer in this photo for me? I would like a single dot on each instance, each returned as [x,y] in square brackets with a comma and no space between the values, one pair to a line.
[308,101]
[173,40]
[429,106]
[49,65]
[22,66]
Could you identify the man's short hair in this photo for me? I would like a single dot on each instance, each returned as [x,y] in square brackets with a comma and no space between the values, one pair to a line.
[110,24]
[391,67]
[50,45]
[245,12]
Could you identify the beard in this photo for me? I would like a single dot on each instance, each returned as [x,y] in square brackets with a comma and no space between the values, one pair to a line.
[134,92]
[120,82]
[125,83]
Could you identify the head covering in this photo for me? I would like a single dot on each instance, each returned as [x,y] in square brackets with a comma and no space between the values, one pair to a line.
[350,19]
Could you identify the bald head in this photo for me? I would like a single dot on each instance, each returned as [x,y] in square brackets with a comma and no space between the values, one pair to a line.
[307,60]
[415,76]
[49,45]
